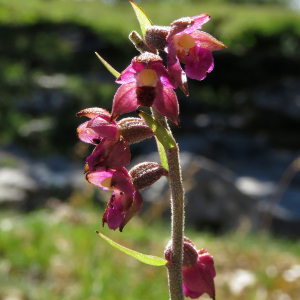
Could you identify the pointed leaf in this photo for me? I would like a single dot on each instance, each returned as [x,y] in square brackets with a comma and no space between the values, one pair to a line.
[147,259]
[162,154]
[143,19]
[161,133]
[108,66]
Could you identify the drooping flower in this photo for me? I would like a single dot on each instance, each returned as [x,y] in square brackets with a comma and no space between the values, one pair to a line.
[198,270]
[101,126]
[146,82]
[185,44]
[126,200]
[121,208]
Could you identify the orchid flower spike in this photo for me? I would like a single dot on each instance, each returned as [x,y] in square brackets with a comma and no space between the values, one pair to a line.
[146,82]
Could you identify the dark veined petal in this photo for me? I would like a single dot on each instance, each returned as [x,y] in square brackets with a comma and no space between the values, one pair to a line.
[121,180]
[125,100]
[117,207]
[135,208]
[104,128]
[166,103]
[119,156]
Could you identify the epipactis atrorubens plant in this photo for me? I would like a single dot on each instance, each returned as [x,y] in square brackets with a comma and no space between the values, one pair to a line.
[146,82]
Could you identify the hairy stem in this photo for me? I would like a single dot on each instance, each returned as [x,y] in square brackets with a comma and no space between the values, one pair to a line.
[177,210]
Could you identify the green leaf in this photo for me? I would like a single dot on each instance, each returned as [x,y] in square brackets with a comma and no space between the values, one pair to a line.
[143,19]
[147,259]
[162,134]
[162,154]
[108,66]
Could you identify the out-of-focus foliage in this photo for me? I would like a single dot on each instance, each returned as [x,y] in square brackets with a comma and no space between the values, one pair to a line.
[63,258]
[48,70]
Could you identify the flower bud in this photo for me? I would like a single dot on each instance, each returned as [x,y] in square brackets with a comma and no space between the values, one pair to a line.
[146,173]
[156,36]
[134,130]
[139,43]
[190,254]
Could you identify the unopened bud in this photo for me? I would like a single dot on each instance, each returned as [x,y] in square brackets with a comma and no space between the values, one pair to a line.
[134,130]
[139,43]
[190,254]
[146,173]
[156,36]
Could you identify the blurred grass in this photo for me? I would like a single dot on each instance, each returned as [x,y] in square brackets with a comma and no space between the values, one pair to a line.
[115,22]
[56,254]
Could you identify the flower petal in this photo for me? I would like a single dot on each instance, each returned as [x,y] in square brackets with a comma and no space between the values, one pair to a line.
[121,180]
[127,76]
[163,75]
[199,279]
[96,177]
[119,156]
[125,100]
[86,135]
[100,155]
[202,63]
[198,22]
[135,208]
[117,207]
[104,128]
[190,293]
[175,69]
[207,41]
[166,103]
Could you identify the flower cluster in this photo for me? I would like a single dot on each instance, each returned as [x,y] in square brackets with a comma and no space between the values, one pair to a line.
[105,167]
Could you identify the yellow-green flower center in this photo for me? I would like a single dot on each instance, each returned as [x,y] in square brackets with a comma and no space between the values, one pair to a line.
[107,183]
[186,41]
[147,77]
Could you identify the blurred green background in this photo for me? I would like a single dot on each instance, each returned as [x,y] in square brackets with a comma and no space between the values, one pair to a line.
[48,72]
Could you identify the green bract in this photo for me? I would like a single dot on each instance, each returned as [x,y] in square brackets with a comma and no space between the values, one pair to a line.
[147,259]
[143,19]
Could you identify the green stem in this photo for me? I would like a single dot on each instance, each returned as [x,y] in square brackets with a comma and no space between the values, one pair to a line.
[177,221]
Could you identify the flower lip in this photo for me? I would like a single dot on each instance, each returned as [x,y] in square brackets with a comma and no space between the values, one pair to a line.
[186,41]
[147,77]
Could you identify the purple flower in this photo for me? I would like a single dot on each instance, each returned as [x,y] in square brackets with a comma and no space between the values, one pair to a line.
[99,126]
[124,203]
[121,208]
[110,179]
[146,82]
[197,268]
[109,154]
[188,45]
